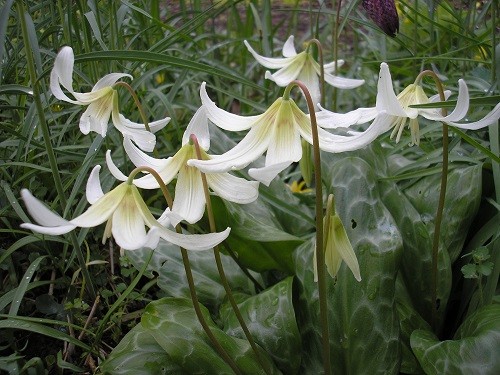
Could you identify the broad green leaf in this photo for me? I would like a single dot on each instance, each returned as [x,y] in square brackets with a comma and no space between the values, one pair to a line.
[473,350]
[174,325]
[138,353]
[270,318]
[167,263]
[257,224]
[363,322]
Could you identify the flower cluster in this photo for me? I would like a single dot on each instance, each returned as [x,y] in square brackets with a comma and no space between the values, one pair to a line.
[277,133]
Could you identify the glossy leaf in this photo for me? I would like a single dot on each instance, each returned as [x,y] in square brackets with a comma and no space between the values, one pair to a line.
[138,353]
[364,327]
[270,318]
[473,350]
[174,325]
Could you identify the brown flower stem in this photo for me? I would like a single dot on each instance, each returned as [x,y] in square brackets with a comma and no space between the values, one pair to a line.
[137,103]
[220,267]
[440,209]
[189,274]
[320,255]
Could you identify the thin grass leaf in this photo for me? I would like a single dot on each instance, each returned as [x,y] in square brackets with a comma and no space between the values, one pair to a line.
[23,285]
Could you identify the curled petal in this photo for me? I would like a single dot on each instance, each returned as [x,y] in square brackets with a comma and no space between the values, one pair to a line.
[386,98]
[109,80]
[232,188]
[199,127]
[41,213]
[289,72]
[194,242]
[489,119]
[55,231]
[458,112]
[332,120]
[144,139]
[115,171]
[330,67]
[343,83]
[289,48]
[269,62]
[94,189]
[141,159]
[223,119]
[266,174]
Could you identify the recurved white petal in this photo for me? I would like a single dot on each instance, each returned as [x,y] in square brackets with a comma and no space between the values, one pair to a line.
[386,98]
[249,149]
[199,127]
[144,139]
[330,67]
[194,242]
[491,118]
[343,83]
[94,190]
[232,188]
[289,47]
[189,201]
[332,120]
[289,72]
[266,174]
[141,159]
[41,213]
[269,62]
[225,120]
[55,231]
[458,112]
[62,74]
[109,80]
[115,171]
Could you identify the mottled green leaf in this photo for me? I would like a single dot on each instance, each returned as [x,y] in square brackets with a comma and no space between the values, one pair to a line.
[473,350]
[167,263]
[138,353]
[174,325]
[270,318]
[364,327]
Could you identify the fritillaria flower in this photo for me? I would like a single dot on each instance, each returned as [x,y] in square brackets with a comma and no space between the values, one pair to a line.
[337,247]
[102,102]
[189,202]
[384,14]
[277,132]
[394,112]
[302,67]
[126,216]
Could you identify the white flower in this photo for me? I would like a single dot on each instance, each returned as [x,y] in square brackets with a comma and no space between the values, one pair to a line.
[126,216]
[302,67]
[277,132]
[102,103]
[393,111]
[189,202]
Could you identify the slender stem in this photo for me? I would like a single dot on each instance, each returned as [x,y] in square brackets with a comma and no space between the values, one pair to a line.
[189,274]
[137,103]
[320,255]
[48,145]
[220,267]
[440,209]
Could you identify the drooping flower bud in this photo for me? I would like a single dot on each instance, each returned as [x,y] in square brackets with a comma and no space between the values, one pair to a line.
[384,14]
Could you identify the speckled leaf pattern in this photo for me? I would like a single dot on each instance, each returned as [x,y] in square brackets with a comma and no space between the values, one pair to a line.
[167,263]
[270,318]
[139,354]
[364,326]
[473,350]
[174,325]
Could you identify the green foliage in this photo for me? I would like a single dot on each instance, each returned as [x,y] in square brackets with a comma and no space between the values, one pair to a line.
[140,320]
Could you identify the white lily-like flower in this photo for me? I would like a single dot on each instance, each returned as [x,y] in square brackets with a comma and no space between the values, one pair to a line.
[277,132]
[126,216]
[302,66]
[189,202]
[102,103]
[394,111]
